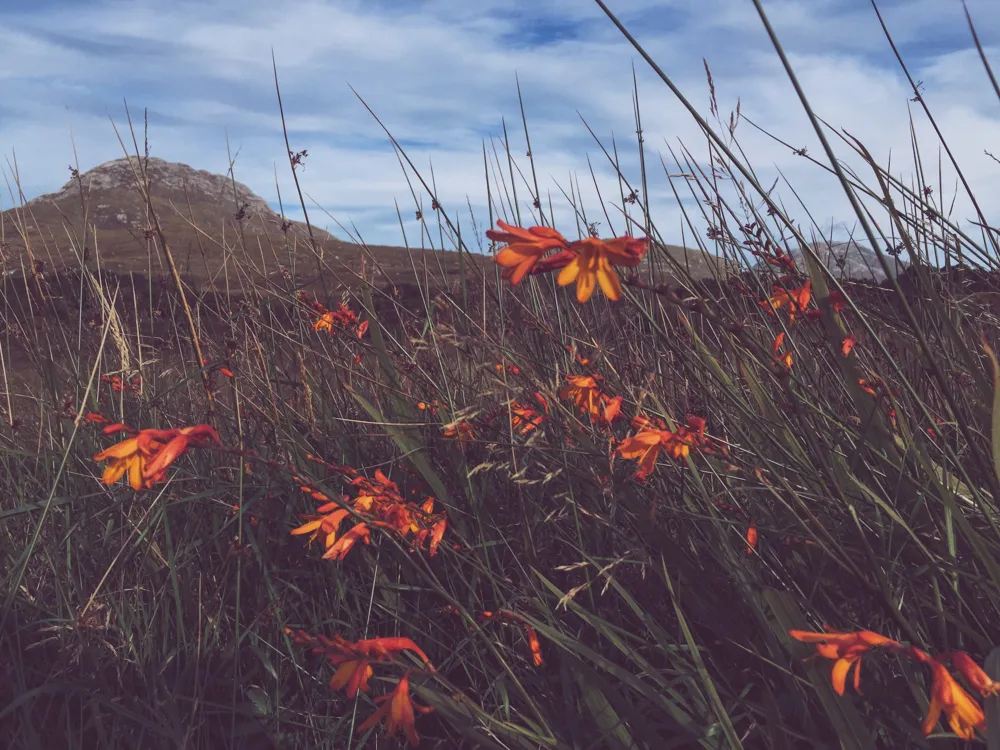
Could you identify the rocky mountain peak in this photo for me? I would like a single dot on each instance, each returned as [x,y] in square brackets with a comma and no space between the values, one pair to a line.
[202,215]
[166,179]
[849,261]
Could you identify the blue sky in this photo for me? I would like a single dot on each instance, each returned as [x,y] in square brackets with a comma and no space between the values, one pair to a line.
[441,75]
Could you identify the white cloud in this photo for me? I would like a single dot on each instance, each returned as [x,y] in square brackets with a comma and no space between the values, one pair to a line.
[441,75]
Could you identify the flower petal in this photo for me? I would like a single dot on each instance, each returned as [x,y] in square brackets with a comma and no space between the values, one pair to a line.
[114,471]
[135,472]
[166,456]
[608,280]
[838,678]
[569,273]
[585,285]
[121,450]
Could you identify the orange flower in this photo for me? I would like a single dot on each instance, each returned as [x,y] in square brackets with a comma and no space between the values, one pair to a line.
[689,435]
[644,447]
[327,521]
[146,456]
[324,322]
[461,430]
[525,247]
[343,316]
[512,369]
[972,672]
[397,709]
[379,504]
[178,441]
[126,458]
[846,649]
[352,674]
[592,265]
[338,649]
[353,661]
[875,386]
[434,536]
[430,407]
[964,714]
[400,517]
[780,259]
[585,392]
[769,252]
[381,489]
[836,301]
[848,344]
[119,385]
[752,537]
[610,411]
[653,436]
[582,390]
[525,418]
[534,645]
[796,300]
[580,359]
[340,548]
[346,471]
[588,262]
[785,360]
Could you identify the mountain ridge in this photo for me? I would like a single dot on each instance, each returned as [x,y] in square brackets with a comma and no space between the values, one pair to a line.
[850,261]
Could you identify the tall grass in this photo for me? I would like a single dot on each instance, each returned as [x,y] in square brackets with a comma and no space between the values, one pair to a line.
[850,487]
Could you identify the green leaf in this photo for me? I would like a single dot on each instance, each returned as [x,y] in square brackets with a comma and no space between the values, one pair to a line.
[604,715]
[708,685]
[995,367]
[401,407]
[259,700]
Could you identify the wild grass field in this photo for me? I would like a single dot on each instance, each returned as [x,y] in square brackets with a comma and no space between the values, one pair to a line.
[573,498]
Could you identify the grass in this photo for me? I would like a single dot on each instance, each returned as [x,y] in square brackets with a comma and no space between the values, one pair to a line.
[851,487]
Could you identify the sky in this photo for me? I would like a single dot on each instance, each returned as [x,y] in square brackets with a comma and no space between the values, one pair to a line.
[442,75]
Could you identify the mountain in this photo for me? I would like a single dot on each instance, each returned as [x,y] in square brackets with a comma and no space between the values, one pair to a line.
[850,261]
[209,222]
[169,181]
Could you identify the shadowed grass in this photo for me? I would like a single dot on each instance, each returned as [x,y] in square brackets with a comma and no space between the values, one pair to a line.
[855,487]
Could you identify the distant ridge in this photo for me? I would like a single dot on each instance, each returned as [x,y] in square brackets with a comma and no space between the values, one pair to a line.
[850,261]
